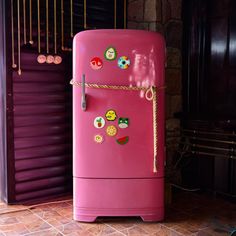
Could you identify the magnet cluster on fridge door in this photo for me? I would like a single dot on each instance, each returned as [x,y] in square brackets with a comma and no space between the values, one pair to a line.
[110,54]
[112,128]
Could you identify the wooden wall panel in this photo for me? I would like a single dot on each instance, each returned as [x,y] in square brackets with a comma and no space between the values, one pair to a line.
[42,130]
[37,104]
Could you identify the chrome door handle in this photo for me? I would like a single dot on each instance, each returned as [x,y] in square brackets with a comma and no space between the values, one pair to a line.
[83,101]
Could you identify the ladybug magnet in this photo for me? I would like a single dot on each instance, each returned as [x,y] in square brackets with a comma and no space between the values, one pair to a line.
[96,63]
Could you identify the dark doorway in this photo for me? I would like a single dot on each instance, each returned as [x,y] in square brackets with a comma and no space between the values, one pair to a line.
[209,85]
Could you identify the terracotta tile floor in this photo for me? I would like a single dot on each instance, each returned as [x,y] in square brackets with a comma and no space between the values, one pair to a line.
[190,214]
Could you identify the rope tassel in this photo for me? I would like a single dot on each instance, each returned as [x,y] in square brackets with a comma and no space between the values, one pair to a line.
[150,95]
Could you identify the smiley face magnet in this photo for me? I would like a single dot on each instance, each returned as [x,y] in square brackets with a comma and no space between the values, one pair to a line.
[111,115]
[110,54]
[96,63]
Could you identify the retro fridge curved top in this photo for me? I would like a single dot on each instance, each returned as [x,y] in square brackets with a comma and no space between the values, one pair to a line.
[118,124]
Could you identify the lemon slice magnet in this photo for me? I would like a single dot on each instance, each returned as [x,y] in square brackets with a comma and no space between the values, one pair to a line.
[111,130]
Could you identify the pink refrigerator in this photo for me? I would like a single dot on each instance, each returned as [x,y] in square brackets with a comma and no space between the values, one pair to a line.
[118,124]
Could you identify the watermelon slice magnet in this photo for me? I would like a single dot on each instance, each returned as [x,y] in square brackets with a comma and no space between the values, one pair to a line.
[123,140]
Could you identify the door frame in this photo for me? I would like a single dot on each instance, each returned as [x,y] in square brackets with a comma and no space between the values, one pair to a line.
[7,167]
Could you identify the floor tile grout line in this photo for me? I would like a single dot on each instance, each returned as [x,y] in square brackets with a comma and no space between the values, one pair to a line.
[30,232]
[43,212]
[115,228]
[133,226]
[71,220]
[45,230]
[54,209]
[17,223]
[173,230]
[48,223]
[59,214]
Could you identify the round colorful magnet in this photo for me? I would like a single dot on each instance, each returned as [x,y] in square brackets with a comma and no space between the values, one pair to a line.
[111,115]
[123,140]
[96,63]
[99,122]
[123,122]
[98,138]
[111,130]
[110,54]
[124,62]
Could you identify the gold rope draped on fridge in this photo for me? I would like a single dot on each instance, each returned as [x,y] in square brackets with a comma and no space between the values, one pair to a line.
[150,95]
[12,37]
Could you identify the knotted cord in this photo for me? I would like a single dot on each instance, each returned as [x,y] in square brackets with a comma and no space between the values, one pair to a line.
[150,95]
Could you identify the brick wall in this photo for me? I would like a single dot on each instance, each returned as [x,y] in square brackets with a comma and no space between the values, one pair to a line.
[164,16]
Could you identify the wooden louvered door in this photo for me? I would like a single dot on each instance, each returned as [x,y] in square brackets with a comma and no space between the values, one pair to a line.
[36,112]
[42,130]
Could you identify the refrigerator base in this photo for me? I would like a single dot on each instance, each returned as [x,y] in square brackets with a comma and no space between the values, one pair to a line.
[146,215]
[118,197]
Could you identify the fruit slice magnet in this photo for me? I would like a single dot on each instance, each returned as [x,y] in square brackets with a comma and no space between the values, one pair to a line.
[110,54]
[123,122]
[99,122]
[96,63]
[98,138]
[123,140]
[111,130]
